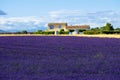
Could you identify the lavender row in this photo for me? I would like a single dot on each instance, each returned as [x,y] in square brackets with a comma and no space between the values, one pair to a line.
[59,58]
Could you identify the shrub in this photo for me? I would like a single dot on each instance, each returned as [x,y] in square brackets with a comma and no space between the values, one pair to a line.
[49,32]
[39,32]
[63,32]
[71,30]
[110,32]
[24,32]
[91,32]
[44,32]
[82,30]
[17,32]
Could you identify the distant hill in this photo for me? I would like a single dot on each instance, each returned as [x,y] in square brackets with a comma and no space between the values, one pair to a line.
[2,31]
[2,12]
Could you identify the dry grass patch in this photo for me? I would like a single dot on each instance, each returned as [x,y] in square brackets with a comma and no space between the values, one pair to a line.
[79,35]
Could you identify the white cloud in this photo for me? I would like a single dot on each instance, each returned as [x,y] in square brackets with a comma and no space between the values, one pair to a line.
[81,17]
[20,23]
[65,13]
[94,19]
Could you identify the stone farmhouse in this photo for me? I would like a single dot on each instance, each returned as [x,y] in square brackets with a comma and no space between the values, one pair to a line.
[58,26]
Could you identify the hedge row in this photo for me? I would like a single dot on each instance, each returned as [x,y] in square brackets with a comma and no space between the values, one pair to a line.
[110,32]
[91,32]
[43,32]
[101,32]
[65,32]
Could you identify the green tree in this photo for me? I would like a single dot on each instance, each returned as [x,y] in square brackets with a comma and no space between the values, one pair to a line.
[96,28]
[102,28]
[109,27]
[61,31]
[118,29]
[18,32]
[40,32]
[24,32]
[71,30]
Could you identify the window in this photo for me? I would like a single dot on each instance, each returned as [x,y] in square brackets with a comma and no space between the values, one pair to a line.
[52,27]
[60,26]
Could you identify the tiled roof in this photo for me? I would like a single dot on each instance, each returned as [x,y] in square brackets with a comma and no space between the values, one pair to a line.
[78,27]
[57,24]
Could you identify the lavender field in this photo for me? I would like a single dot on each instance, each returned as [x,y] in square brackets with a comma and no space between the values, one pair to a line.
[59,58]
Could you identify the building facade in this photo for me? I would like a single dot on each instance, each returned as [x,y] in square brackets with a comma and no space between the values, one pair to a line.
[59,26]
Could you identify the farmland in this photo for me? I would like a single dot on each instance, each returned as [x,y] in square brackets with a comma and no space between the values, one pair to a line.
[59,58]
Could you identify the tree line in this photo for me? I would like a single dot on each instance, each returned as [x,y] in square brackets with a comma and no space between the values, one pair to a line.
[107,29]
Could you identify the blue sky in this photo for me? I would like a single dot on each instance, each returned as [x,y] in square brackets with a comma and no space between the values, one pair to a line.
[38,13]
[42,7]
